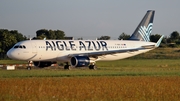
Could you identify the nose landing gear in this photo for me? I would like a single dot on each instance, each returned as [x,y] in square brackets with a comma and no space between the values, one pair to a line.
[29,65]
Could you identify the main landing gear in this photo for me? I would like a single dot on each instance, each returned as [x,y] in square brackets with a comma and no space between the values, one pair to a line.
[67,66]
[92,66]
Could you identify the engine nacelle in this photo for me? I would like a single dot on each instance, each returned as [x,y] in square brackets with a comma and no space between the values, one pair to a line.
[42,64]
[80,61]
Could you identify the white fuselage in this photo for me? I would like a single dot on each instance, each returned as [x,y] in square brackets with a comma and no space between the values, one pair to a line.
[62,50]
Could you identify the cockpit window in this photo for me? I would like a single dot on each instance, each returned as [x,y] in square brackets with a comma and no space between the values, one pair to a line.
[20,46]
[16,46]
[24,47]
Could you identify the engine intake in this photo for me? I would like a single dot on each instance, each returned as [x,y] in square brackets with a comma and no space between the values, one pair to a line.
[80,61]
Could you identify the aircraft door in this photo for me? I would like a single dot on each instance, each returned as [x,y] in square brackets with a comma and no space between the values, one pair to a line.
[34,48]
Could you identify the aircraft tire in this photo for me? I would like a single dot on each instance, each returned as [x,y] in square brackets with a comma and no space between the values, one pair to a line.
[93,67]
[29,68]
[67,67]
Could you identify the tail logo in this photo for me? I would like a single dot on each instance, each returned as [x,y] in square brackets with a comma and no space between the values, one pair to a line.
[146,32]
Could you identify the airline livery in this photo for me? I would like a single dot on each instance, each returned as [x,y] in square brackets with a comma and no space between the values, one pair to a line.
[81,53]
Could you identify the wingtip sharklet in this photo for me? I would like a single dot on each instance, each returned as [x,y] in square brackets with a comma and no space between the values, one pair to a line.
[159,41]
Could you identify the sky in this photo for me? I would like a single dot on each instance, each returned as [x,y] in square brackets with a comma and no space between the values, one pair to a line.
[88,19]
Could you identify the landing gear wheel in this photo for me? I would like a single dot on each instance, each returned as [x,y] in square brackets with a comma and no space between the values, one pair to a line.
[29,68]
[92,67]
[29,65]
[67,67]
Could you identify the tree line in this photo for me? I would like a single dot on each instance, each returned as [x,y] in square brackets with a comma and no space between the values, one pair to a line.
[8,38]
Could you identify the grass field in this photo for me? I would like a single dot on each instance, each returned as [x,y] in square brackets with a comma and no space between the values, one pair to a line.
[130,80]
[102,88]
[140,67]
[154,76]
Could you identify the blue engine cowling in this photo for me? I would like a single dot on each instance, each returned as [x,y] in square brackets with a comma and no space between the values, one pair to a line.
[80,61]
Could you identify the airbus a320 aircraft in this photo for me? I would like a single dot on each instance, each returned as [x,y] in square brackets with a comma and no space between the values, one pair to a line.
[81,53]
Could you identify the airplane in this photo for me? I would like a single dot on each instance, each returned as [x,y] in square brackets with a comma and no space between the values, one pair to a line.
[85,53]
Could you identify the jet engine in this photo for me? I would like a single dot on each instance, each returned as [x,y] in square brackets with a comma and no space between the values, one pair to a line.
[80,61]
[42,64]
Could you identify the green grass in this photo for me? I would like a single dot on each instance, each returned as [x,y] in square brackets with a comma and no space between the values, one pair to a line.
[140,67]
[12,62]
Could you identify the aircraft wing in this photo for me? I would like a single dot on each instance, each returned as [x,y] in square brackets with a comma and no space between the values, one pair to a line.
[100,53]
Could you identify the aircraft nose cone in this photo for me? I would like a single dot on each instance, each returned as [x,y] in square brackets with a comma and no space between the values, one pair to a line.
[10,54]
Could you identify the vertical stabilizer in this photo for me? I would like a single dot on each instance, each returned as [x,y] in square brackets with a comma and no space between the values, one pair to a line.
[144,29]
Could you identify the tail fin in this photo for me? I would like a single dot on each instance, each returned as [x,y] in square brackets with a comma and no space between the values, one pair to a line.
[144,29]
